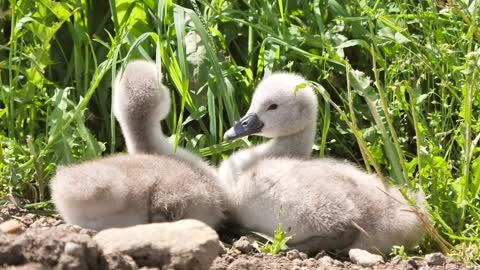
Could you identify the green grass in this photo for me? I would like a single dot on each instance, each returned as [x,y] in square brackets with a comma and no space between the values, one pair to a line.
[273,245]
[397,81]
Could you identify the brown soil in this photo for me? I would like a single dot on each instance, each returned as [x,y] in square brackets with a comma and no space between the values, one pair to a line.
[45,242]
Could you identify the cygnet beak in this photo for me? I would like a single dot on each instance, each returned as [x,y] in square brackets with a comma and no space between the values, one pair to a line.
[249,124]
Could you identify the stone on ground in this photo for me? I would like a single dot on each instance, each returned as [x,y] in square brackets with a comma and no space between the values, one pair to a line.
[243,245]
[52,248]
[185,244]
[295,254]
[11,226]
[435,259]
[364,258]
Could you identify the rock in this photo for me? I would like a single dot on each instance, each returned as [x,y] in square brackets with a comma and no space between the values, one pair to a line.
[50,247]
[293,254]
[412,263]
[185,244]
[325,261]
[303,256]
[364,258]
[435,259]
[396,260]
[11,226]
[320,254]
[28,219]
[243,245]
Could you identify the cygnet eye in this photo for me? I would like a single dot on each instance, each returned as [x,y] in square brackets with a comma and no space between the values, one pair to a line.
[272,107]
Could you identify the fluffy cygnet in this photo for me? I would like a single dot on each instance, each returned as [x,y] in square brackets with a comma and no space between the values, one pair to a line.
[139,188]
[326,203]
[125,190]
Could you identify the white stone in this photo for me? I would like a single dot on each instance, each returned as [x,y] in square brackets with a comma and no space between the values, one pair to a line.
[364,258]
[184,244]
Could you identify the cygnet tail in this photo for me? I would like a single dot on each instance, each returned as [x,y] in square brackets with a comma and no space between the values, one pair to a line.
[411,221]
[399,223]
[419,198]
[420,208]
[91,197]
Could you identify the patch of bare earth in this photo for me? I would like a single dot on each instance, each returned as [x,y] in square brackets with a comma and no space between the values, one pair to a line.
[46,242]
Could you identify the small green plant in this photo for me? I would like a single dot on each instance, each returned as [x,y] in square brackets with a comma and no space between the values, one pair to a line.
[275,245]
[399,250]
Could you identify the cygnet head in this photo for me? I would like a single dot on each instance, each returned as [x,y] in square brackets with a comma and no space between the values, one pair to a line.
[139,94]
[283,104]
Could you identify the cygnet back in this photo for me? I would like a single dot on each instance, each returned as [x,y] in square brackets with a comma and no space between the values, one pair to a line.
[125,190]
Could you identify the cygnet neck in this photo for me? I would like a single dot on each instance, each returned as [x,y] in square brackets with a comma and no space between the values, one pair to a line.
[146,137]
[295,145]
[298,145]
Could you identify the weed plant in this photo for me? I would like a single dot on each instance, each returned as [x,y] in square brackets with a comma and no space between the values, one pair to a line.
[398,83]
[273,245]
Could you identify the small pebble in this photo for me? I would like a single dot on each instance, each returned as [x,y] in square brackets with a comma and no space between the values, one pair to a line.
[11,226]
[293,254]
[325,261]
[28,219]
[303,255]
[396,260]
[435,259]
[321,254]
[364,258]
[58,222]
[413,263]
[243,245]
[41,222]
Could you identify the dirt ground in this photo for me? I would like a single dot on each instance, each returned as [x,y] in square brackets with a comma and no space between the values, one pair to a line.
[46,242]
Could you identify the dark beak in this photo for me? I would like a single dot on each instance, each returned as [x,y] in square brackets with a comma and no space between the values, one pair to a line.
[249,124]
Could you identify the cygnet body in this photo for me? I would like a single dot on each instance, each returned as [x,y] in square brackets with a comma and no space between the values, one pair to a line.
[152,183]
[327,204]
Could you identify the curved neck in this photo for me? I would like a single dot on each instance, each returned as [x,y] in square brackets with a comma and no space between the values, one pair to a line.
[145,137]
